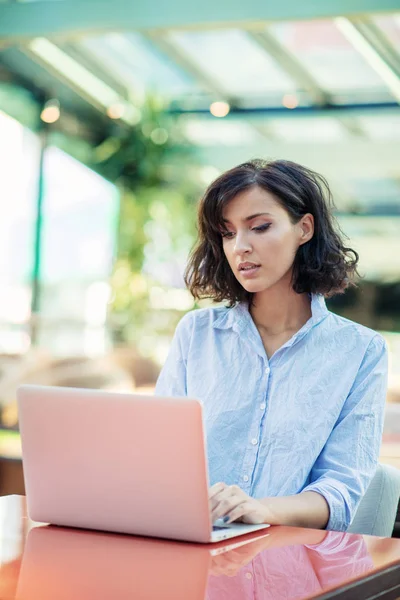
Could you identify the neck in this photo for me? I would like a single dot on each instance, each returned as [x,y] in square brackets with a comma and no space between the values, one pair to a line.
[280,310]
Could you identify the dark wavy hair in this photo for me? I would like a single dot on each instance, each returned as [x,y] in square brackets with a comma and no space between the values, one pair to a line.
[323,265]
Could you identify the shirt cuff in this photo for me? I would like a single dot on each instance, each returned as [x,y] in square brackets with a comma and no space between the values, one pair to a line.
[339,516]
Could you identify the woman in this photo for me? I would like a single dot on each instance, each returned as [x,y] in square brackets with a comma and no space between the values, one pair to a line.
[293,394]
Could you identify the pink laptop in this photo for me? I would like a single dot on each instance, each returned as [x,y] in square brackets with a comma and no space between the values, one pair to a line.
[117,462]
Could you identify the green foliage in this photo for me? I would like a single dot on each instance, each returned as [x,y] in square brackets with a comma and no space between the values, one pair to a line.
[20,104]
[157,229]
[135,157]
[154,169]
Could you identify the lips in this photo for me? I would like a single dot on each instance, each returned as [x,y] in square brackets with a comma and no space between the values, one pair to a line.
[247,266]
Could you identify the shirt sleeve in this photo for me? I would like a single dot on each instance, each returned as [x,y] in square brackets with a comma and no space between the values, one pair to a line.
[340,558]
[347,463]
[172,378]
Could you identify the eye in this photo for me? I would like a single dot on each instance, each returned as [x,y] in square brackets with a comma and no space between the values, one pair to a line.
[227,234]
[262,228]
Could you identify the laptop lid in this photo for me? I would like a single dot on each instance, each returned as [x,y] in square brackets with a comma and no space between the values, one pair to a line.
[115,462]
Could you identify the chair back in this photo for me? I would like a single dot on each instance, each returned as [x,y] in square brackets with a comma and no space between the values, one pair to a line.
[377,511]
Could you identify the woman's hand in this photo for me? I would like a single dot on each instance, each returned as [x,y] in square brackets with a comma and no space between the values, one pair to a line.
[231,562]
[231,503]
[307,509]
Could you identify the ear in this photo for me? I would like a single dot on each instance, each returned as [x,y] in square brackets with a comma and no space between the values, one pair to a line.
[306,228]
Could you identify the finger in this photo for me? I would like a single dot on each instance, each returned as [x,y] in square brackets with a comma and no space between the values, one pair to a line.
[220,496]
[225,506]
[222,490]
[225,492]
[216,489]
[226,500]
[245,511]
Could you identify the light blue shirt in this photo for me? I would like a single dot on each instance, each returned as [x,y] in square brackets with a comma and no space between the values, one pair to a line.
[308,419]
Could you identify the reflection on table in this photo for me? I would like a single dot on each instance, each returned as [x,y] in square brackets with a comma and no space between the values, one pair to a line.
[48,563]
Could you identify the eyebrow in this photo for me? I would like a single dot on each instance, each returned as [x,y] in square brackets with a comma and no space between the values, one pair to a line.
[249,218]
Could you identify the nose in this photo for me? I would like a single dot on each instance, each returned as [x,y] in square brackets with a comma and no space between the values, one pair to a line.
[242,244]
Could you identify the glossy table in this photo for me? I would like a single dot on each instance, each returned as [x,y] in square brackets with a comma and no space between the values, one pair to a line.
[53,563]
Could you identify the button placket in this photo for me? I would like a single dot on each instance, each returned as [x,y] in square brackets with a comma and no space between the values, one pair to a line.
[254,441]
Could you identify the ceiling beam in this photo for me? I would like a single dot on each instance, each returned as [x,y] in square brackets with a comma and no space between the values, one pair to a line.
[25,20]
[301,112]
[95,66]
[379,40]
[78,78]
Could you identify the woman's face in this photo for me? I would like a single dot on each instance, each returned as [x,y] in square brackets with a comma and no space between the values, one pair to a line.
[260,241]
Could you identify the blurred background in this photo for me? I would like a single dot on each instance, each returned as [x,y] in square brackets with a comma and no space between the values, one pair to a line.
[114,117]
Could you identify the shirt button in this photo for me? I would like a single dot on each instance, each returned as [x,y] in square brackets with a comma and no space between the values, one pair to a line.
[249,576]
[262,406]
[254,441]
[245,477]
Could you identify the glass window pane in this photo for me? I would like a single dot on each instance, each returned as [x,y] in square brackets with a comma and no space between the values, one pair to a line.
[328,55]
[390,26]
[139,64]
[206,132]
[375,195]
[19,155]
[382,127]
[377,241]
[237,64]
[80,211]
[321,129]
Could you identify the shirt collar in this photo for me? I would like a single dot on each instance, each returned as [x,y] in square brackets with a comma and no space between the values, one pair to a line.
[238,316]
